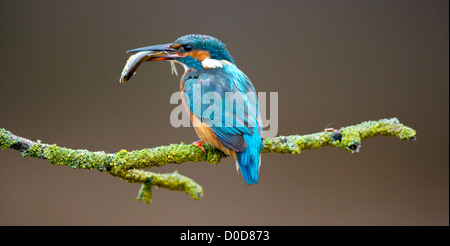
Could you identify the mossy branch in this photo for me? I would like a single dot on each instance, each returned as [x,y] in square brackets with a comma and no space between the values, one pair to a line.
[128,165]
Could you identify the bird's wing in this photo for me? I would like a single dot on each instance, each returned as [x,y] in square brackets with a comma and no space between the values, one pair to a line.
[225,100]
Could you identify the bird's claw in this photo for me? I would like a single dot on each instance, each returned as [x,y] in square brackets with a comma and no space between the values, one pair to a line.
[199,144]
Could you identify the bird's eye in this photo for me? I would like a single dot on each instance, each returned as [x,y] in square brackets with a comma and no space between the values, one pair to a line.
[187,47]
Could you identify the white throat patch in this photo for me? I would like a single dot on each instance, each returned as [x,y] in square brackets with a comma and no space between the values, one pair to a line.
[211,63]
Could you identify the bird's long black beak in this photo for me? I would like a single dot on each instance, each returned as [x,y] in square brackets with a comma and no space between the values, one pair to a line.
[158,47]
[160,52]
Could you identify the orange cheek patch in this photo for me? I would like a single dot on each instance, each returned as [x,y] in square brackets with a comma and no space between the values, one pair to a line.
[200,55]
[175,46]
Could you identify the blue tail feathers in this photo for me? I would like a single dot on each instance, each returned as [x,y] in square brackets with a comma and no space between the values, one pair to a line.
[249,160]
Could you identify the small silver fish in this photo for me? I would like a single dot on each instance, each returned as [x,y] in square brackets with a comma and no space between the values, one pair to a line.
[134,61]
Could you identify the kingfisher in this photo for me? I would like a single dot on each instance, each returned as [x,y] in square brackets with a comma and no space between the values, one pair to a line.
[229,119]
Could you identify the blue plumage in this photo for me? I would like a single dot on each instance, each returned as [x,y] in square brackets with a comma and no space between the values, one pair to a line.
[239,124]
[219,97]
[250,159]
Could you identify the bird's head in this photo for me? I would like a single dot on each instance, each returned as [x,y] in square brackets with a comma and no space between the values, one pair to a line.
[193,51]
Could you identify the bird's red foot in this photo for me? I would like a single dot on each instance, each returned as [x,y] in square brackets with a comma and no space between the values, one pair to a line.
[199,144]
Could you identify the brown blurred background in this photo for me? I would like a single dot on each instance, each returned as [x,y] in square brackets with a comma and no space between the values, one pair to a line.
[340,62]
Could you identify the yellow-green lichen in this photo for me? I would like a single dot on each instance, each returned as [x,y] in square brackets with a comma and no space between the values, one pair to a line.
[170,181]
[5,139]
[145,192]
[128,165]
[348,138]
